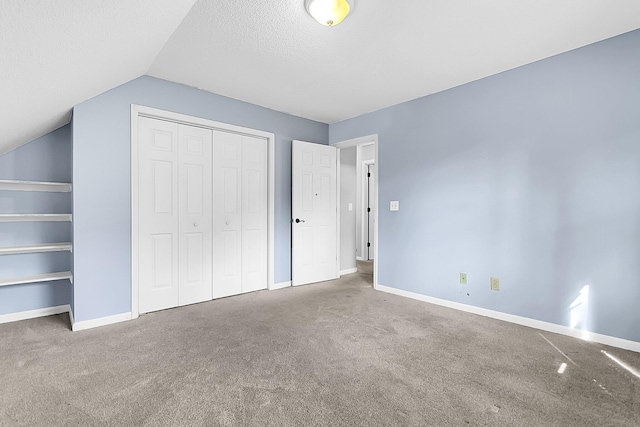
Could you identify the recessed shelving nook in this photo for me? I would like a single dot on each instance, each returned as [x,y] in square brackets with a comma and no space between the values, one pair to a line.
[36,186]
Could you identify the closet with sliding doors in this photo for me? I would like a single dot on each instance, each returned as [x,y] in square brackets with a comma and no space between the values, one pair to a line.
[200,208]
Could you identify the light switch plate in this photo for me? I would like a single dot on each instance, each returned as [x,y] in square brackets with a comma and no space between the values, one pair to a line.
[350,206]
[394,205]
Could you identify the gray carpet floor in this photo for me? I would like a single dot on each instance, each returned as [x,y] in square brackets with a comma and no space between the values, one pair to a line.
[365,267]
[330,354]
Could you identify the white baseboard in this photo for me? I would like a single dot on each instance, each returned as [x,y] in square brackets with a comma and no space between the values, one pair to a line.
[101,321]
[32,314]
[280,285]
[525,321]
[348,271]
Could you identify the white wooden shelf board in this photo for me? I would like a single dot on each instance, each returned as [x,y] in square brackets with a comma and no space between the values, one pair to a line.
[48,277]
[34,217]
[57,187]
[29,249]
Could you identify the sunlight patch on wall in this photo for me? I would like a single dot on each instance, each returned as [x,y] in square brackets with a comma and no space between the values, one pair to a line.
[579,312]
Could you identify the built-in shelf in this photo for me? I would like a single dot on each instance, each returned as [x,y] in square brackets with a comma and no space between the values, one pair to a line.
[30,249]
[34,217]
[57,187]
[48,277]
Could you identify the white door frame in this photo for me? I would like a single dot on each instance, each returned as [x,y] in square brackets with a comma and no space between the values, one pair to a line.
[139,110]
[364,203]
[359,143]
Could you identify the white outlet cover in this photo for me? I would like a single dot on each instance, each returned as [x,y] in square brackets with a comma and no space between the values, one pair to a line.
[394,205]
[350,206]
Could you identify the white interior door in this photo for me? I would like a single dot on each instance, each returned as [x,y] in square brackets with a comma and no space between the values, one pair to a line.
[195,214]
[158,212]
[314,212]
[240,212]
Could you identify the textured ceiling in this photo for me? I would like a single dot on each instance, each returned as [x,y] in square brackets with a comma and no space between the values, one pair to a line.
[55,54]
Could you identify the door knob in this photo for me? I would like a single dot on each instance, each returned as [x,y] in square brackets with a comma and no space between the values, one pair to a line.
[299,220]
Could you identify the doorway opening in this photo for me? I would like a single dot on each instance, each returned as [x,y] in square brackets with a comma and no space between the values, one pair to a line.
[357,206]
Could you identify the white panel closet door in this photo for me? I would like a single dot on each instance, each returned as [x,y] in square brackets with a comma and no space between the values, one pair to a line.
[158,210]
[254,214]
[227,229]
[240,214]
[196,211]
[175,214]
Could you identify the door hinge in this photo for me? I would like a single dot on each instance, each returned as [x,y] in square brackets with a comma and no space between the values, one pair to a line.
[368,209]
[368,244]
[368,174]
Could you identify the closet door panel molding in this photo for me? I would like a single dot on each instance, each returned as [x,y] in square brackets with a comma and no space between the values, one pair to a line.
[158,205]
[195,216]
[254,214]
[227,234]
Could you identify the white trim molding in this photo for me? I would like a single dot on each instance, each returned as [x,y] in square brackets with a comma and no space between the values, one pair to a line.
[364,203]
[100,321]
[280,285]
[524,321]
[362,140]
[32,314]
[348,271]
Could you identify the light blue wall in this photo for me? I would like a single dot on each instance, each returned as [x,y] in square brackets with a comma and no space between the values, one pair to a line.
[45,159]
[348,183]
[532,176]
[101,171]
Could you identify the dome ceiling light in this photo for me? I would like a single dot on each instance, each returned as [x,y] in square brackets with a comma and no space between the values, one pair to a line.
[329,12]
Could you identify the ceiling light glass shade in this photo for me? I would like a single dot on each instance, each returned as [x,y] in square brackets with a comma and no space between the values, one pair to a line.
[329,12]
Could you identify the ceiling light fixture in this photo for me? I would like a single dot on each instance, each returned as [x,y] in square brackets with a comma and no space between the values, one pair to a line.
[329,12]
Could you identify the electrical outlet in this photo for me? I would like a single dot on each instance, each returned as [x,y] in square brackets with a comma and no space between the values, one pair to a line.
[495,284]
[463,278]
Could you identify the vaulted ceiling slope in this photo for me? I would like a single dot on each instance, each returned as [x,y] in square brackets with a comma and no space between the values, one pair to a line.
[54,55]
